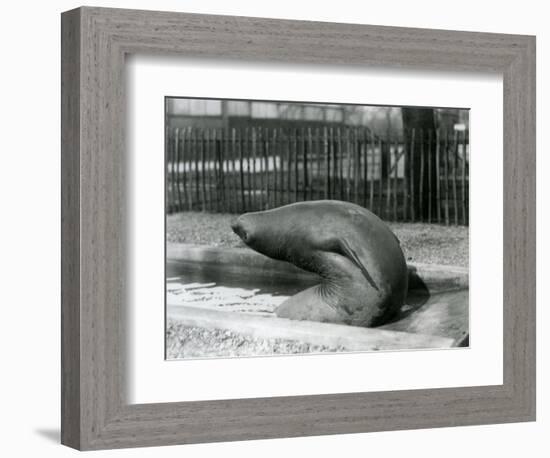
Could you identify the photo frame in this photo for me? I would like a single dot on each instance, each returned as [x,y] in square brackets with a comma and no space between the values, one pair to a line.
[95,410]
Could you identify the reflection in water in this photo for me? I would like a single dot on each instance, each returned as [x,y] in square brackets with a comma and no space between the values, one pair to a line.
[229,276]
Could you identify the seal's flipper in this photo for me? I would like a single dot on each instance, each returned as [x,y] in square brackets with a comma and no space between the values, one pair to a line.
[343,248]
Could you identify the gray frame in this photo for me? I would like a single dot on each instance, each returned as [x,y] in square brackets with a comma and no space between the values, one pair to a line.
[95,41]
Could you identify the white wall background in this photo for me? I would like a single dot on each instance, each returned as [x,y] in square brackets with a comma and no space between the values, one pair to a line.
[29,190]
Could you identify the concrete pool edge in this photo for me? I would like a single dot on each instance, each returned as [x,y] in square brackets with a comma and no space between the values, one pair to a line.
[322,334]
[245,257]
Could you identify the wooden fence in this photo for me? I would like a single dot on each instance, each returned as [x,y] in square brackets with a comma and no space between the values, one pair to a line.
[421,177]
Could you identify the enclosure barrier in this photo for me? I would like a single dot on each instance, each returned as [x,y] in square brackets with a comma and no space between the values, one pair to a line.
[422,176]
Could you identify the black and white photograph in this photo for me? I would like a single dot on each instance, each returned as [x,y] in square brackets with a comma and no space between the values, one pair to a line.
[275,229]
[304,227]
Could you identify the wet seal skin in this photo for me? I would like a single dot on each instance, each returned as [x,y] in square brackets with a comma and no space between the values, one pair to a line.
[359,259]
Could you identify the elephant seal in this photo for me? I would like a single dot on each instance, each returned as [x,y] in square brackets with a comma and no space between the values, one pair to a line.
[362,267]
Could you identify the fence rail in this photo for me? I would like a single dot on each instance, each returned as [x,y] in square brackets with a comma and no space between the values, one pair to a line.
[420,177]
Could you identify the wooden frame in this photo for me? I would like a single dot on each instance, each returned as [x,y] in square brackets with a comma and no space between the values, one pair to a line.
[95,41]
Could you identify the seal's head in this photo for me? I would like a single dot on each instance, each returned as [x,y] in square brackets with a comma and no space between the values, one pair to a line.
[239,228]
[258,231]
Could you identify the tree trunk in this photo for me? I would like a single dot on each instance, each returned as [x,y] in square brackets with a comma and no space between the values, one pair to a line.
[422,120]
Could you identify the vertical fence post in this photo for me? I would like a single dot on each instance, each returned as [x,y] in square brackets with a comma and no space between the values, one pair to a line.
[202,158]
[317,140]
[282,149]
[246,144]
[388,178]
[217,206]
[372,169]
[297,158]
[173,190]
[267,152]
[209,188]
[242,164]
[235,174]
[174,172]
[223,195]
[231,170]
[338,162]
[216,172]
[237,143]
[260,172]
[357,165]
[182,180]
[220,135]
[218,162]
[446,170]
[288,166]
[210,166]
[298,144]
[296,167]
[327,162]
[196,161]
[261,150]
[311,160]
[177,199]
[179,174]
[381,174]
[196,168]
[275,155]
[187,169]
[365,165]
[413,140]
[168,172]
[455,165]
[335,163]
[342,154]
[438,173]
[421,179]
[395,177]
[183,145]
[254,171]
[223,166]
[265,173]
[304,147]
[430,200]
[344,147]
[463,179]
[406,160]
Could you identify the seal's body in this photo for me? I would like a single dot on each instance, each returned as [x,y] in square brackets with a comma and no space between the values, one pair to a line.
[361,264]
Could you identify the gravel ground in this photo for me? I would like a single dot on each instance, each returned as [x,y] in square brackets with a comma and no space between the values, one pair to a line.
[426,243]
[191,342]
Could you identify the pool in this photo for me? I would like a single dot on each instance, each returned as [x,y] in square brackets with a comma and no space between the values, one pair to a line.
[438,306]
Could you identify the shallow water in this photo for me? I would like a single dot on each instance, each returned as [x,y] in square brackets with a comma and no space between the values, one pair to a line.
[236,277]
